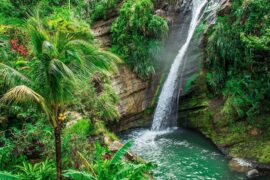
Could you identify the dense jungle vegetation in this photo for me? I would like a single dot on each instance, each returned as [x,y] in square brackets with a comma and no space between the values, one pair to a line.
[238,52]
[51,68]
[237,58]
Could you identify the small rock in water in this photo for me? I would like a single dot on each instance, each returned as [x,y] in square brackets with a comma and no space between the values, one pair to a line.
[239,165]
[252,173]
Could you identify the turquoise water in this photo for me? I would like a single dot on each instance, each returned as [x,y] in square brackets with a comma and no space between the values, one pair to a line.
[181,154]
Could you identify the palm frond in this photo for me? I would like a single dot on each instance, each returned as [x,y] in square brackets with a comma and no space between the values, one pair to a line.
[37,35]
[22,94]
[95,59]
[11,76]
[104,60]
[58,69]
[121,152]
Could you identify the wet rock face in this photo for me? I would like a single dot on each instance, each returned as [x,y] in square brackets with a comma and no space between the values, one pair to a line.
[170,10]
[135,96]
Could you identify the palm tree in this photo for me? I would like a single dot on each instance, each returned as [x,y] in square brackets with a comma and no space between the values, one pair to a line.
[64,56]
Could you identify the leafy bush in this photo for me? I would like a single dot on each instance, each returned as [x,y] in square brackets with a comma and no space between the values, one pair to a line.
[24,140]
[137,35]
[100,8]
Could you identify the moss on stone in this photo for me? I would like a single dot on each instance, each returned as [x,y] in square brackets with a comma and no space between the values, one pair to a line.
[198,111]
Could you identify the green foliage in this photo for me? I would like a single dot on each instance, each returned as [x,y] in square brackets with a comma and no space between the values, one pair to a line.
[117,157]
[100,8]
[81,127]
[62,59]
[64,49]
[8,13]
[62,69]
[39,171]
[98,99]
[137,35]
[78,175]
[43,171]
[110,167]
[8,176]
[6,149]
[25,139]
[189,82]
[237,61]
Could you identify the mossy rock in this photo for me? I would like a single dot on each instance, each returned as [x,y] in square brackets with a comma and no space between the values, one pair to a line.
[237,137]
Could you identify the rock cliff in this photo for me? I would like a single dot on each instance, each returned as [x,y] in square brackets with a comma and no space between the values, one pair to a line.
[205,113]
[137,95]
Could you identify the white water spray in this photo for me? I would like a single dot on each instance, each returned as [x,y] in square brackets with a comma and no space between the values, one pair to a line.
[163,117]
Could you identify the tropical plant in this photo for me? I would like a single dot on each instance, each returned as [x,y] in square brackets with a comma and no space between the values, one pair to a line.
[110,167]
[63,56]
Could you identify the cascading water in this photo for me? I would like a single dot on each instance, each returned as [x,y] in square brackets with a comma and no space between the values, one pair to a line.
[179,153]
[166,111]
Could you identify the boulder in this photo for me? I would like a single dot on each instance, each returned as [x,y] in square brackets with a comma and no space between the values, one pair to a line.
[239,165]
[253,173]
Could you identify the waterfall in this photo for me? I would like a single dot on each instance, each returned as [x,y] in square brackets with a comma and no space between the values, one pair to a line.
[166,110]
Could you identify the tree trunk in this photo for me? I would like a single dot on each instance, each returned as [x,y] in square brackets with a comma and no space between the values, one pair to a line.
[57,138]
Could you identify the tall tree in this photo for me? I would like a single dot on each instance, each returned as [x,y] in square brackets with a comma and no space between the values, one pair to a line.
[63,55]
